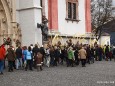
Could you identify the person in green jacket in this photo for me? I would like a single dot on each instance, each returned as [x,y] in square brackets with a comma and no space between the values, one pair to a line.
[70,56]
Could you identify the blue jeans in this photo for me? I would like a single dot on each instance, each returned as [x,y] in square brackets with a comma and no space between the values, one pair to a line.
[1,65]
[18,63]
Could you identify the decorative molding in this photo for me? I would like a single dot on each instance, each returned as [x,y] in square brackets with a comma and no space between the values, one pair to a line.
[28,8]
[73,20]
[1,9]
[3,20]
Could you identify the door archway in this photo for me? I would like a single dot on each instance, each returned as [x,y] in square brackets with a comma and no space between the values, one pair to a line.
[8,28]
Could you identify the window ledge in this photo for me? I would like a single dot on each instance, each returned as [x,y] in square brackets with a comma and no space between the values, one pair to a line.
[73,20]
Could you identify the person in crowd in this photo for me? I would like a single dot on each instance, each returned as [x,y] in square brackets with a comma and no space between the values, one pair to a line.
[14,62]
[107,52]
[100,53]
[28,59]
[62,54]
[24,55]
[31,45]
[76,56]
[19,57]
[71,56]
[92,54]
[35,51]
[56,55]
[11,58]
[2,57]
[82,56]
[39,60]
[47,56]
[104,56]
[96,53]
[52,56]
[66,56]
[42,51]
[88,51]
[114,53]
[110,54]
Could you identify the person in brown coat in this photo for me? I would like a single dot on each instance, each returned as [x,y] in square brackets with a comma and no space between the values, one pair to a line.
[11,58]
[39,61]
[82,56]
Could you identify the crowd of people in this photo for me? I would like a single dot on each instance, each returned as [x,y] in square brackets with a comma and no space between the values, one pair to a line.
[35,57]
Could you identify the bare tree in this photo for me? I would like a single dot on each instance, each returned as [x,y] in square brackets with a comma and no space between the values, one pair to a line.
[101,11]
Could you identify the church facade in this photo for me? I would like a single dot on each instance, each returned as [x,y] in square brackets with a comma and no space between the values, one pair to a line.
[68,16]
[71,18]
[19,18]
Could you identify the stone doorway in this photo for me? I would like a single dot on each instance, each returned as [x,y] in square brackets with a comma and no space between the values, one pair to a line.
[9,28]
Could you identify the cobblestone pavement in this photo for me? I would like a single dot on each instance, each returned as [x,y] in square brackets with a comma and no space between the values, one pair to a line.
[97,74]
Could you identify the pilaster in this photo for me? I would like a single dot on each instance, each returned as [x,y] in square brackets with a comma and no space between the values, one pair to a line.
[88,15]
[53,14]
[29,15]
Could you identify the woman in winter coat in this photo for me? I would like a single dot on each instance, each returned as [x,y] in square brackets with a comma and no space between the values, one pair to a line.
[82,55]
[11,58]
[39,61]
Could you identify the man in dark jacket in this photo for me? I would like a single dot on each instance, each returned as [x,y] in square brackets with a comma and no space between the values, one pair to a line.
[114,54]
[42,51]
[18,57]
[56,55]
[35,51]
[76,56]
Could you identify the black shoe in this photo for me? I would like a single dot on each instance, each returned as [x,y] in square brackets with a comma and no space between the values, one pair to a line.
[83,66]
[41,69]
[1,73]
[31,69]
[9,70]
[72,66]
[12,70]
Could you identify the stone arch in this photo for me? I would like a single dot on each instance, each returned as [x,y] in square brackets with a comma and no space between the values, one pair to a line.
[6,19]
[8,14]
[11,27]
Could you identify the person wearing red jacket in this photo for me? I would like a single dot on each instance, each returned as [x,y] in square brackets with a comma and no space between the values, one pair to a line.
[2,57]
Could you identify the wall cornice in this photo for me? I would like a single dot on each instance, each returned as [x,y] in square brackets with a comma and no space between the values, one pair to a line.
[28,8]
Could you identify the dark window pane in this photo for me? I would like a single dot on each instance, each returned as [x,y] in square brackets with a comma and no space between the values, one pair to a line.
[69,10]
[74,10]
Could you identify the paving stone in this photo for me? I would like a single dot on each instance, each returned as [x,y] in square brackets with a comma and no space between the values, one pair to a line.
[101,73]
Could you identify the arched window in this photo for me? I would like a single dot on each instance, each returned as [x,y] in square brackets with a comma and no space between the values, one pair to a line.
[72,10]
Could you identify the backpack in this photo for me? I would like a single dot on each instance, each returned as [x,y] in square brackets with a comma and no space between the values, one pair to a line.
[28,55]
